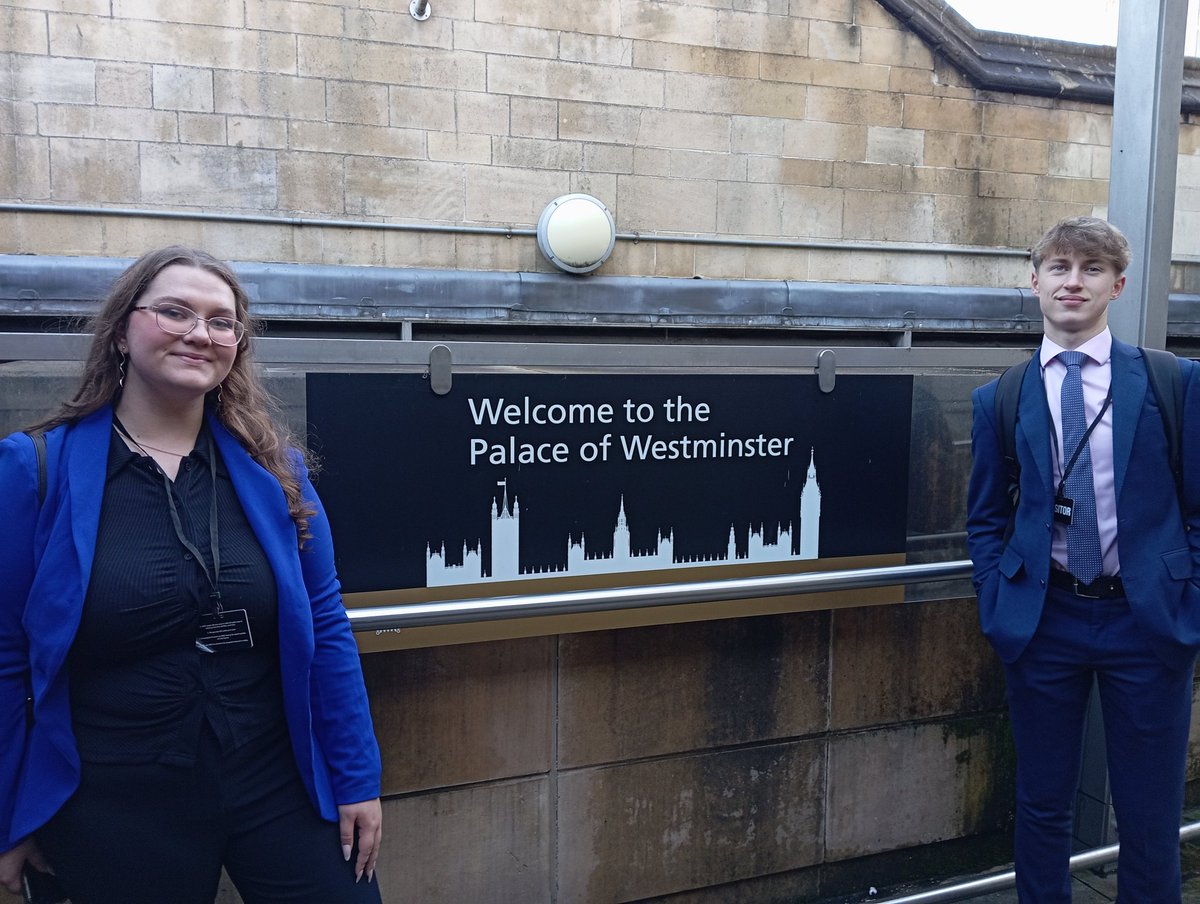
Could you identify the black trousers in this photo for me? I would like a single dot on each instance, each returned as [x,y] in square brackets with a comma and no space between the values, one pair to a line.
[156,834]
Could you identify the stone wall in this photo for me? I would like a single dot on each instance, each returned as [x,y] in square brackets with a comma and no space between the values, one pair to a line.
[808,119]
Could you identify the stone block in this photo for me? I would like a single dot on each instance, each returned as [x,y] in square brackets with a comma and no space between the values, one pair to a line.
[202,128]
[587,18]
[753,209]
[834,41]
[404,189]
[183,88]
[375,61]
[86,7]
[598,122]
[938,180]
[1101,162]
[312,184]
[697,59]
[602,186]
[511,40]
[649,203]
[172,43]
[867,176]
[1069,160]
[423,108]
[631,259]
[825,140]
[743,97]
[399,27]
[357,102]
[532,118]
[689,164]
[674,260]
[895,146]
[942,114]
[499,693]
[348,138]
[124,85]
[529,77]
[776,263]
[537,153]
[675,23]
[834,73]
[198,12]
[263,94]
[884,217]
[739,30]
[874,683]
[640,693]
[790,171]
[43,79]
[916,784]
[785,888]
[429,250]
[893,47]
[585,48]
[501,195]
[872,15]
[607,158]
[952,150]
[1007,185]
[1014,155]
[118,123]
[756,135]
[23,31]
[674,129]
[302,18]
[460,147]
[198,176]
[721,262]
[484,252]
[25,172]
[915,82]
[813,212]
[833,10]
[1015,120]
[847,105]
[650,828]
[255,132]
[489,843]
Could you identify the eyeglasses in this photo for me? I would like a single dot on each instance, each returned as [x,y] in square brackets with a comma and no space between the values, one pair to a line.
[179,321]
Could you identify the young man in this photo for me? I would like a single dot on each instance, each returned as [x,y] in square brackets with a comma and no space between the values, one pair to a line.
[1100,577]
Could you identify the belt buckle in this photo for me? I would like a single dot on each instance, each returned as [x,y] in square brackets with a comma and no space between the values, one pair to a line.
[1079,593]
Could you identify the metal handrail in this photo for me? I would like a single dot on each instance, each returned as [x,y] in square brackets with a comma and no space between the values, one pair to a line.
[450,612]
[962,891]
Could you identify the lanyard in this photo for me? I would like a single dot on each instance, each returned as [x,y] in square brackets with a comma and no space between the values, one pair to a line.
[213,527]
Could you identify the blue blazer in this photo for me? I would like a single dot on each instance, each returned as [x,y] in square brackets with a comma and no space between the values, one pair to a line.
[1159,546]
[45,565]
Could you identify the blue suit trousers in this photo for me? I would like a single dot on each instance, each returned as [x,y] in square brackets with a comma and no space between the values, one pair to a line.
[1146,706]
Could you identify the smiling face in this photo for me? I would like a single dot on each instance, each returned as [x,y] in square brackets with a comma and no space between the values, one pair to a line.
[170,369]
[1074,291]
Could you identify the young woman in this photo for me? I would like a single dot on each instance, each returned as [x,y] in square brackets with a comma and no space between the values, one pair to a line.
[179,687]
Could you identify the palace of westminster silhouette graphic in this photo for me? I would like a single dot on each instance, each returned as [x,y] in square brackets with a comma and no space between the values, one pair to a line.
[505,546]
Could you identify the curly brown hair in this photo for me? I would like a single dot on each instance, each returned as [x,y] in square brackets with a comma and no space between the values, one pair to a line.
[240,403]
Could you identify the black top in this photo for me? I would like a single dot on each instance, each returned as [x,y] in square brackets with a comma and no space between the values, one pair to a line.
[141,691]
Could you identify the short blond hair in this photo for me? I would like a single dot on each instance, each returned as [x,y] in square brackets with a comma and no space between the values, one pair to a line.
[1090,237]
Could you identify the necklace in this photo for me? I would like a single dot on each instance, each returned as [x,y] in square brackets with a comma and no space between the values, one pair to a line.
[145,446]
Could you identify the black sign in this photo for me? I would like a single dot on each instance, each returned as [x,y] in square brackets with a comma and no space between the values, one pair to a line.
[522,477]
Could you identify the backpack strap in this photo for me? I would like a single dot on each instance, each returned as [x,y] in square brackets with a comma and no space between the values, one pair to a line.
[1166,381]
[39,448]
[1008,398]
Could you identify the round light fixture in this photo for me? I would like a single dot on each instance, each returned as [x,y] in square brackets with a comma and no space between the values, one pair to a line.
[576,233]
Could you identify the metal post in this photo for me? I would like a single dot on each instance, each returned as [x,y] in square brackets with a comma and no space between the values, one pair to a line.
[1141,203]
[1145,152]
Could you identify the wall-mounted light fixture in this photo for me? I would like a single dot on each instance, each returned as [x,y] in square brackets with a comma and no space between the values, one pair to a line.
[576,233]
[419,10]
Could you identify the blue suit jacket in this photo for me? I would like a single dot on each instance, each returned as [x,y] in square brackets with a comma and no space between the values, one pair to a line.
[45,565]
[1159,546]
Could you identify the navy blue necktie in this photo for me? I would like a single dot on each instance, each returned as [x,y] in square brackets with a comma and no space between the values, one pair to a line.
[1084,559]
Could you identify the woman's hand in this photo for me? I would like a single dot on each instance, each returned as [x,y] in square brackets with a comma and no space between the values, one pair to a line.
[12,861]
[367,818]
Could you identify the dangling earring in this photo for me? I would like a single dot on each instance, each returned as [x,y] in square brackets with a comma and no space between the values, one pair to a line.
[121,369]
[219,385]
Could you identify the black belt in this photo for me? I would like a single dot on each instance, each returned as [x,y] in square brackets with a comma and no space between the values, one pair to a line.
[1105,587]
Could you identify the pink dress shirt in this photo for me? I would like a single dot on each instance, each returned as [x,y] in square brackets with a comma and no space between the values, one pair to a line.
[1097,377]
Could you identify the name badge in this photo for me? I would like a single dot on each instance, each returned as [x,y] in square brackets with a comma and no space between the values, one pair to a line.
[224,631]
[1063,509]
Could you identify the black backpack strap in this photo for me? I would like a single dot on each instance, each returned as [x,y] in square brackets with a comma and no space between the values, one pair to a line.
[1008,399]
[39,448]
[1166,381]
